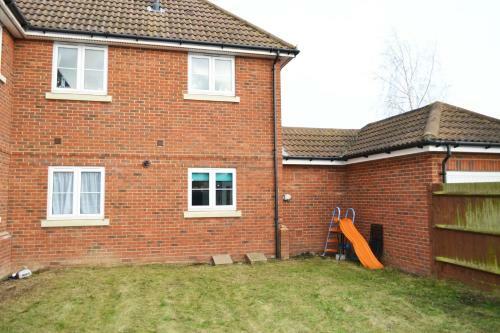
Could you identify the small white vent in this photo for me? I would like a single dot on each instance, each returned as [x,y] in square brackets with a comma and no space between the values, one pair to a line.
[156,7]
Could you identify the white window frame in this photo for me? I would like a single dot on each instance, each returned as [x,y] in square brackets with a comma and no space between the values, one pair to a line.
[1,42]
[212,190]
[77,171]
[211,75]
[80,72]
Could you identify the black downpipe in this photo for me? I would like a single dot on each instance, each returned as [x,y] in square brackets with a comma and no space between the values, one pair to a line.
[275,152]
[445,161]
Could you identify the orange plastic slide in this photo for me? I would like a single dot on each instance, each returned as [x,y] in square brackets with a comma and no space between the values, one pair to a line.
[363,251]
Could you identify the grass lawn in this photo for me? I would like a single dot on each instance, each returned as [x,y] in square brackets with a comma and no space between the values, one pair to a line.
[308,295]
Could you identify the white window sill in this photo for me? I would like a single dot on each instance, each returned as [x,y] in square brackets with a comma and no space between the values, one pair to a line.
[3,79]
[78,97]
[212,98]
[74,223]
[198,215]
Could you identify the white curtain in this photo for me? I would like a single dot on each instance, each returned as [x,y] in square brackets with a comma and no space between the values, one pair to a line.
[62,197]
[90,195]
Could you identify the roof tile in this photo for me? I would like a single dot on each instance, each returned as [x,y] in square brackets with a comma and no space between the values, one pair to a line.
[316,142]
[448,123]
[462,125]
[188,20]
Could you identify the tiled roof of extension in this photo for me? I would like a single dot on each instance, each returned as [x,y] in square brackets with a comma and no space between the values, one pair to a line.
[183,20]
[437,122]
[395,131]
[316,142]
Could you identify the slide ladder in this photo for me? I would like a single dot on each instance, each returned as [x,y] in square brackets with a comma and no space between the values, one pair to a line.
[333,237]
[361,247]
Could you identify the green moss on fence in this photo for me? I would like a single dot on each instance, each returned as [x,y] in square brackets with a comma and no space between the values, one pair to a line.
[470,189]
[492,259]
[490,267]
[465,229]
[483,215]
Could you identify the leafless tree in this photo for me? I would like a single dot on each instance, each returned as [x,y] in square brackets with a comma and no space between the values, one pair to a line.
[409,76]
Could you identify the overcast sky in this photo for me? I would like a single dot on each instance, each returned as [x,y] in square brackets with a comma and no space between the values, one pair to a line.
[332,81]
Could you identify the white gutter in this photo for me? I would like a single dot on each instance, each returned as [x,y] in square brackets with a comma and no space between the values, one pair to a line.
[10,22]
[142,43]
[396,153]
[311,162]
[467,149]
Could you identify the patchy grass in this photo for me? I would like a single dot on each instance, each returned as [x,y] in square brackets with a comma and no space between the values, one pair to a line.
[308,295]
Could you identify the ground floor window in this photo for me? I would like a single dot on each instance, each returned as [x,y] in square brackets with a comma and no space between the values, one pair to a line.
[212,189]
[76,192]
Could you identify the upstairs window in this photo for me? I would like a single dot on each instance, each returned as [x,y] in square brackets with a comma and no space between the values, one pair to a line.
[213,75]
[212,189]
[80,69]
[76,192]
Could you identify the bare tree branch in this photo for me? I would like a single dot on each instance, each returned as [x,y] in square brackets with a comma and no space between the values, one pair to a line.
[408,76]
[430,76]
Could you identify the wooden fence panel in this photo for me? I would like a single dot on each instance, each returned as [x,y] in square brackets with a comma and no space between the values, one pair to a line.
[466,233]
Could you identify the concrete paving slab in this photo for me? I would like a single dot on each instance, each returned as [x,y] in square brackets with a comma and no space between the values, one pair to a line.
[222,259]
[256,257]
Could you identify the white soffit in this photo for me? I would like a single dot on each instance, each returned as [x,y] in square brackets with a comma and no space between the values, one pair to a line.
[145,43]
[396,153]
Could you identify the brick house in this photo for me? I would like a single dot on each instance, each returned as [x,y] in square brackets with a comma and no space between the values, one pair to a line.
[143,131]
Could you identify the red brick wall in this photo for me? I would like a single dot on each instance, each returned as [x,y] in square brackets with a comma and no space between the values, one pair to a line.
[394,192]
[5,254]
[5,130]
[145,206]
[315,191]
[5,121]
[472,162]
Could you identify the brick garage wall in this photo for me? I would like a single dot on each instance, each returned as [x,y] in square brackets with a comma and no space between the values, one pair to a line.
[315,191]
[472,162]
[145,206]
[395,192]
[5,131]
